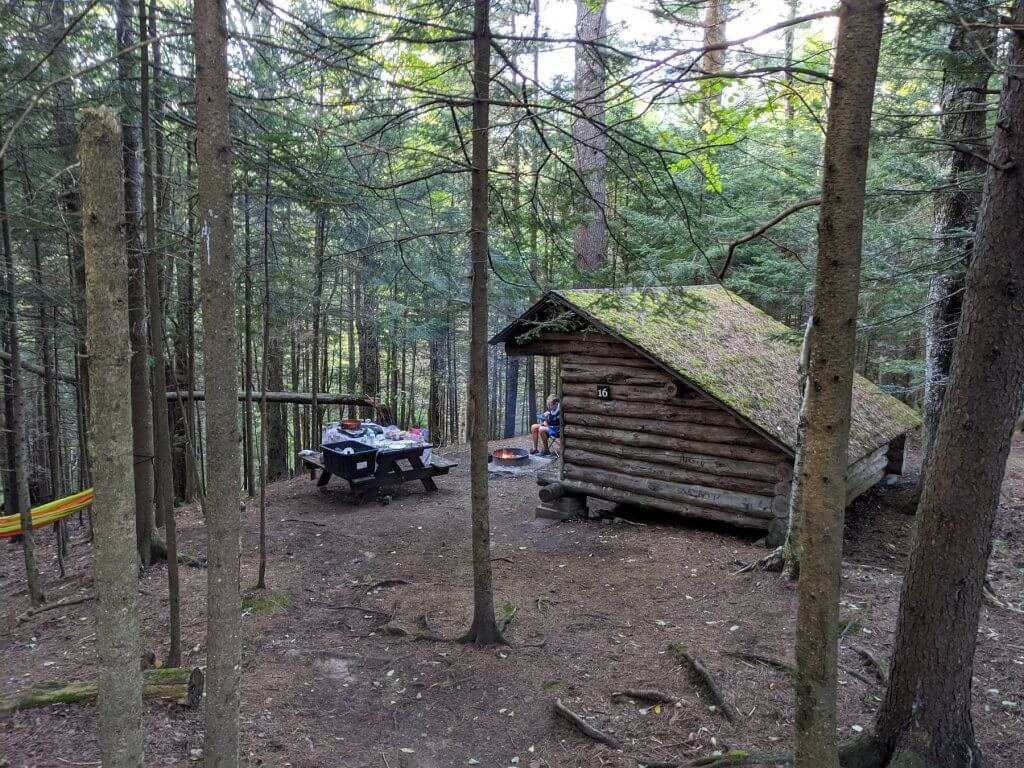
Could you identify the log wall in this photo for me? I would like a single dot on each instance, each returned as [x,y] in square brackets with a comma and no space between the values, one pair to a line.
[659,444]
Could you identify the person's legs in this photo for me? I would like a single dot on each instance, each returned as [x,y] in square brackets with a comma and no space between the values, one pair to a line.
[544,437]
[534,433]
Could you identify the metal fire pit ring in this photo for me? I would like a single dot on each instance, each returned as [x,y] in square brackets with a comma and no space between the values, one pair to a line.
[510,457]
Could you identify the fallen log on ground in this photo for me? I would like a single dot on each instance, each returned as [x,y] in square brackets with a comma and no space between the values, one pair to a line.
[181,684]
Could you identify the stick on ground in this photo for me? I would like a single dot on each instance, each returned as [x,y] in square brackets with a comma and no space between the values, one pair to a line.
[700,675]
[584,727]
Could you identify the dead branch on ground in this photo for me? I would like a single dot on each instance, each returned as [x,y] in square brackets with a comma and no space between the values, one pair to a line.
[22,618]
[702,677]
[584,727]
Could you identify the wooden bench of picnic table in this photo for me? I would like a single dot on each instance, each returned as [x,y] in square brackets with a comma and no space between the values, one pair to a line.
[389,474]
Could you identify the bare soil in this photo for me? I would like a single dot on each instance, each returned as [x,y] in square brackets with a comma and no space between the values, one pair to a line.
[330,680]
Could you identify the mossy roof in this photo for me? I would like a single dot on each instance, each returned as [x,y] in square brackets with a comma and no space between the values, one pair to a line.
[731,350]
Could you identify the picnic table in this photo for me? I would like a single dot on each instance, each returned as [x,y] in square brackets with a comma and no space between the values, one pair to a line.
[389,473]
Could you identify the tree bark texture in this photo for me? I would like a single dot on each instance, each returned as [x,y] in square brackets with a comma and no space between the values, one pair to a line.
[484,629]
[968,65]
[153,258]
[14,390]
[142,414]
[822,462]
[713,61]
[925,719]
[590,136]
[220,353]
[119,681]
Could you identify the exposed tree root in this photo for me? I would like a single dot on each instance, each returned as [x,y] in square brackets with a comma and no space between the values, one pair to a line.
[768,661]
[992,598]
[300,520]
[878,667]
[645,694]
[584,727]
[863,678]
[700,675]
[362,609]
[773,562]
[742,757]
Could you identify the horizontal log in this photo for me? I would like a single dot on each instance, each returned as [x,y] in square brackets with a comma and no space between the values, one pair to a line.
[658,393]
[711,465]
[181,684]
[865,484]
[297,398]
[594,349]
[551,492]
[699,495]
[780,504]
[660,411]
[633,437]
[637,467]
[687,430]
[863,461]
[687,511]
[629,359]
[574,337]
[867,465]
[37,369]
[783,488]
[872,472]
[617,374]
[784,471]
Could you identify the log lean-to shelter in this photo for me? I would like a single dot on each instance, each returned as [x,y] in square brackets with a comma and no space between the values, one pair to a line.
[686,401]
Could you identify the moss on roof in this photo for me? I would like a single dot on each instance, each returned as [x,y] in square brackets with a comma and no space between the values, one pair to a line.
[736,353]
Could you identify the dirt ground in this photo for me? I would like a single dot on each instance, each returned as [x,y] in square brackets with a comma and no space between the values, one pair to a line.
[330,681]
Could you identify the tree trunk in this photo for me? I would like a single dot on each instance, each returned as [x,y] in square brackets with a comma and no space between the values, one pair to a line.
[590,135]
[14,387]
[925,719]
[511,396]
[247,416]
[119,681]
[162,471]
[142,405]
[713,61]
[65,133]
[435,390]
[220,354]
[319,245]
[822,461]
[967,68]
[484,629]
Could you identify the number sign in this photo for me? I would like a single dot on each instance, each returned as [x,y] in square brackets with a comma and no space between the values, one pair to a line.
[604,392]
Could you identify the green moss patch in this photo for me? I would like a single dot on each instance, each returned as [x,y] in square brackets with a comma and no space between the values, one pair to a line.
[264,603]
